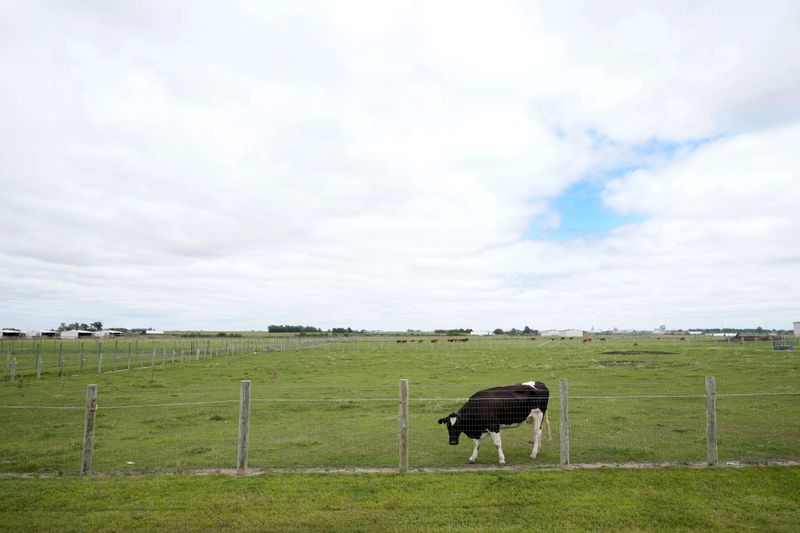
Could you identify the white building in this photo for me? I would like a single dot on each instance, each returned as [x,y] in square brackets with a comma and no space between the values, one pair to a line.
[8,332]
[106,333]
[38,333]
[797,329]
[75,333]
[153,332]
[562,333]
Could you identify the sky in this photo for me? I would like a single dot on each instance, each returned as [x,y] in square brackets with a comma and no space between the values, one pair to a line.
[400,165]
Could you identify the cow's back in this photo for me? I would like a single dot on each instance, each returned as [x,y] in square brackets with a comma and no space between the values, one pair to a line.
[502,406]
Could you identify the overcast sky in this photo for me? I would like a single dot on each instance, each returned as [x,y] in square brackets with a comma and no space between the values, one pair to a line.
[379,165]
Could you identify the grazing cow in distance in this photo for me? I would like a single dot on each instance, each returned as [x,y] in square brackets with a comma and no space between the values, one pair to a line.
[488,411]
[434,340]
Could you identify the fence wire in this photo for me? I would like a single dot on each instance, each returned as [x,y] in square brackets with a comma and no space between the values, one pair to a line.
[41,438]
[337,427]
[651,428]
[758,427]
[167,436]
[323,433]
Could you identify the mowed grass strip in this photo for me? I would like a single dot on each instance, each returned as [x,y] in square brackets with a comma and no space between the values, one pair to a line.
[746,499]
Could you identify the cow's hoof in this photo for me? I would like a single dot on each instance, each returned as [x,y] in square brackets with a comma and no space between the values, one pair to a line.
[502,463]
[470,462]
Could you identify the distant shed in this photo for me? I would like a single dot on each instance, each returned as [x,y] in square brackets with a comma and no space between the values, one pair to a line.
[75,333]
[563,333]
[38,333]
[797,329]
[106,333]
[11,333]
[153,332]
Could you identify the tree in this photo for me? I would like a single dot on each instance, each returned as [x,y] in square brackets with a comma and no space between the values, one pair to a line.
[97,326]
[498,331]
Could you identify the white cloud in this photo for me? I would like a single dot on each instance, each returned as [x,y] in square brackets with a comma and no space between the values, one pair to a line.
[376,165]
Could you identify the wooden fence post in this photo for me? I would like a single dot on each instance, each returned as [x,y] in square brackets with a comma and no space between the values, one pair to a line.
[99,363]
[244,428]
[403,425]
[60,359]
[13,369]
[711,419]
[81,367]
[38,362]
[564,423]
[88,429]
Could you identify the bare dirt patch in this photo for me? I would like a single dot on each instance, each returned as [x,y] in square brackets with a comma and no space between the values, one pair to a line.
[637,352]
[629,363]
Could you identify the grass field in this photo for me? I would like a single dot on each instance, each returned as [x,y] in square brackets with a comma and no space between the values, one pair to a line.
[335,404]
[726,499]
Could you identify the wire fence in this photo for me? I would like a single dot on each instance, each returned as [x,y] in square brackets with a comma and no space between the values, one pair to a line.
[49,358]
[316,428]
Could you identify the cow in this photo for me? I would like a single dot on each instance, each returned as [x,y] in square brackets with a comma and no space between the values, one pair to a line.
[490,410]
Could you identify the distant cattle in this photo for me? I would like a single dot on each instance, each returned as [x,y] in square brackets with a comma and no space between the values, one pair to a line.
[533,338]
[434,340]
[488,411]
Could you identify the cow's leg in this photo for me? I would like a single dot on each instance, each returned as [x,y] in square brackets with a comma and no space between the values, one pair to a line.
[537,431]
[474,455]
[499,445]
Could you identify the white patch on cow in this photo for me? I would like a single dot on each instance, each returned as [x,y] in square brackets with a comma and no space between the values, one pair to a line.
[453,420]
[474,455]
[498,443]
[531,384]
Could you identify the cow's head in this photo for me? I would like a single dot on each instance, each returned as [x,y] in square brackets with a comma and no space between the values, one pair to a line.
[451,421]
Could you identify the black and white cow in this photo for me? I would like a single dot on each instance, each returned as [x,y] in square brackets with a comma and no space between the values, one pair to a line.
[489,410]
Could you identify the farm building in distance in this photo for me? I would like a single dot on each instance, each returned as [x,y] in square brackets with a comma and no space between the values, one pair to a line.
[797,329]
[75,333]
[153,332]
[38,333]
[563,333]
[106,333]
[10,332]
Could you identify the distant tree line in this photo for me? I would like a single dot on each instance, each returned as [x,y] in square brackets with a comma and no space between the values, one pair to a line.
[94,326]
[293,329]
[453,332]
[514,331]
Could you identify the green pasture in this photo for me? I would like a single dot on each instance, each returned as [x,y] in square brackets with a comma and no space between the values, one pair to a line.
[333,403]
[723,499]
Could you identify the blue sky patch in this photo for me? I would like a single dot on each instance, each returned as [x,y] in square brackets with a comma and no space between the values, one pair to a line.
[583,215]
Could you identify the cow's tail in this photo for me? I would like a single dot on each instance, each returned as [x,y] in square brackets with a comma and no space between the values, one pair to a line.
[547,425]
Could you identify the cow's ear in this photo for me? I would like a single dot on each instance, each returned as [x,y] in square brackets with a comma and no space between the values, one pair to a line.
[442,420]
